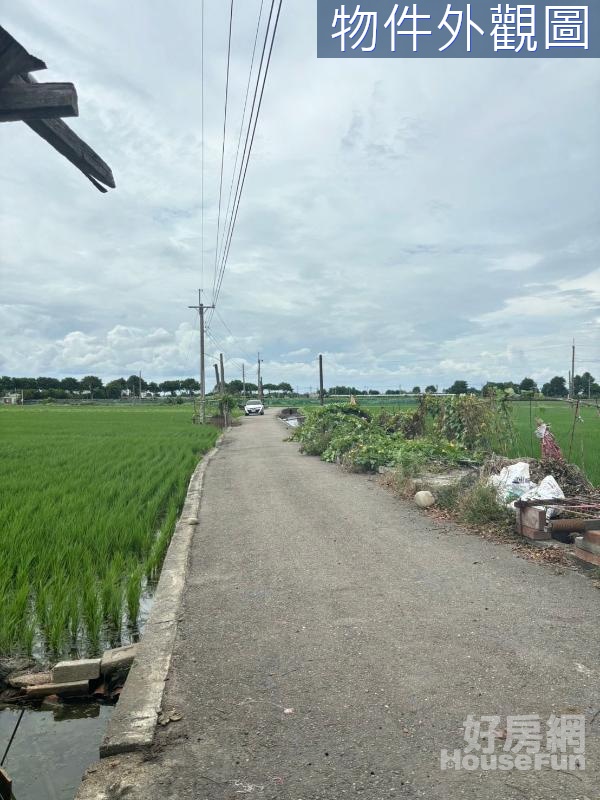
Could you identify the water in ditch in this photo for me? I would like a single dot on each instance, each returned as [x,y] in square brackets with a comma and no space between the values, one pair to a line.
[52,748]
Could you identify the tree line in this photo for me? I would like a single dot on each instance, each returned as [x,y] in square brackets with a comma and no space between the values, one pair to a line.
[91,385]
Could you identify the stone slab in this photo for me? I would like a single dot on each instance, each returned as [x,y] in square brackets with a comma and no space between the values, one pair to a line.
[87,669]
[120,658]
[70,689]
[26,679]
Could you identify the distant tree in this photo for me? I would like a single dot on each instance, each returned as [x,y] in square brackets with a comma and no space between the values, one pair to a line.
[48,383]
[70,384]
[114,388]
[153,387]
[528,385]
[285,387]
[431,389]
[585,385]
[373,392]
[6,383]
[190,385]
[270,387]
[391,391]
[170,387]
[92,384]
[343,390]
[25,383]
[556,387]
[416,390]
[458,387]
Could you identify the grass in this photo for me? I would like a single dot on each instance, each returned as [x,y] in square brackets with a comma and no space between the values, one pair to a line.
[586,440]
[90,497]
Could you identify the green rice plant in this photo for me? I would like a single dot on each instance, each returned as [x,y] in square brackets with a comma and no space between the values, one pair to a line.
[90,496]
[133,593]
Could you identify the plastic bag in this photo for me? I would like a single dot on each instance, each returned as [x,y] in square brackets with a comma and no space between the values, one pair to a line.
[512,482]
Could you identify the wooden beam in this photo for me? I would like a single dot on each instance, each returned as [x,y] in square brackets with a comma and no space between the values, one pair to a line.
[58,134]
[21,101]
[62,138]
[14,58]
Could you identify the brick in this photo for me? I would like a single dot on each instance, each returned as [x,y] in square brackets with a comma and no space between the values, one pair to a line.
[71,689]
[117,660]
[72,671]
[534,533]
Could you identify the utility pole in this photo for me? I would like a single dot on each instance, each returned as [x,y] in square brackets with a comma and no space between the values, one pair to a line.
[217,377]
[321,400]
[260,361]
[140,385]
[222,373]
[201,309]
[244,379]
[573,370]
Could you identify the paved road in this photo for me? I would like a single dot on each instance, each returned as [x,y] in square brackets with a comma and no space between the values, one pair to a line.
[334,640]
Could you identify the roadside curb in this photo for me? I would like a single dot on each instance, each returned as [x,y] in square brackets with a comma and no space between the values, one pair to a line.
[133,723]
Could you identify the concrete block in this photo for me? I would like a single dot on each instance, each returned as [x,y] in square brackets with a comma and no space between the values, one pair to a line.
[121,658]
[23,680]
[71,689]
[585,543]
[71,671]
[585,555]
[592,537]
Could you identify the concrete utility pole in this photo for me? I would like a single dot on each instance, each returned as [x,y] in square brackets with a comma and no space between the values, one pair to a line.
[321,379]
[260,361]
[222,372]
[140,385]
[201,308]
[573,370]
[244,379]
[218,378]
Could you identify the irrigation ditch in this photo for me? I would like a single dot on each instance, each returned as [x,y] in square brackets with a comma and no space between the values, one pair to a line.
[55,722]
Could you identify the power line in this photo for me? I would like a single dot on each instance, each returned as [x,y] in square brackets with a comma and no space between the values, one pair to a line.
[224,140]
[249,143]
[237,153]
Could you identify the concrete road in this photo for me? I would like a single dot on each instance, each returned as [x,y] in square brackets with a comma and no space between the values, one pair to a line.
[334,639]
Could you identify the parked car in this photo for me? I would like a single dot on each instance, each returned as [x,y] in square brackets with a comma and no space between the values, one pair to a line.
[253,407]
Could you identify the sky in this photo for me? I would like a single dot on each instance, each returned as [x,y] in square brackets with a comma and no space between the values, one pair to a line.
[416,222]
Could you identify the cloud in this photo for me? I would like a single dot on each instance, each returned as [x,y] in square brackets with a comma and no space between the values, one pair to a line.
[416,222]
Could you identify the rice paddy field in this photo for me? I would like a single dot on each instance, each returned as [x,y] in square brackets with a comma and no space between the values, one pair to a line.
[585,451]
[89,500]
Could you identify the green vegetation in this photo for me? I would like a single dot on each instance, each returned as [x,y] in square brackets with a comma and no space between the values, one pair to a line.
[443,430]
[363,441]
[586,440]
[90,499]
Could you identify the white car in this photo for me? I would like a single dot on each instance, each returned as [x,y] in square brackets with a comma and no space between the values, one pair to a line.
[253,407]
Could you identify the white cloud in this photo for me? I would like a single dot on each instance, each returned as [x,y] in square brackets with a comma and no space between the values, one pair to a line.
[416,221]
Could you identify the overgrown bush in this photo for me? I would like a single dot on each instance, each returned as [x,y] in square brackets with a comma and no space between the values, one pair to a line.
[346,435]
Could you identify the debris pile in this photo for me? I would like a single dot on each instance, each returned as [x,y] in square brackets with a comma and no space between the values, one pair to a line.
[100,679]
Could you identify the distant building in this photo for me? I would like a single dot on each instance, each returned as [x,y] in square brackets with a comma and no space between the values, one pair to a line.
[12,399]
